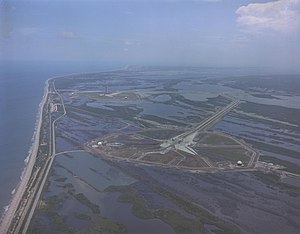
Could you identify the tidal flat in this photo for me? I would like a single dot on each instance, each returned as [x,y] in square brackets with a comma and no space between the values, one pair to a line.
[172,151]
[134,198]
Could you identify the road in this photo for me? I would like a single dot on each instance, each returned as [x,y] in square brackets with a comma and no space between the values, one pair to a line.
[48,164]
[16,201]
[180,143]
[184,141]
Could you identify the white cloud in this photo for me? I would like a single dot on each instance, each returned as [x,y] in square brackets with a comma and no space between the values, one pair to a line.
[128,12]
[128,43]
[27,31]
[67,35]
[278,16]
[184,0]
[211,0]
[132,42]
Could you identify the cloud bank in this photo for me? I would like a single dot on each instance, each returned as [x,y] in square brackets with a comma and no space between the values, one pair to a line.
[67,35]
[281,16]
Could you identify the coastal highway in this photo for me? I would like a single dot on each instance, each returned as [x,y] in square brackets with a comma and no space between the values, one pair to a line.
[22,186]
[48,164]
[21,212]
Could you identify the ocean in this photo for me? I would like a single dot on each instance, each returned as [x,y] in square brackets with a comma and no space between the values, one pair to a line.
[21,90]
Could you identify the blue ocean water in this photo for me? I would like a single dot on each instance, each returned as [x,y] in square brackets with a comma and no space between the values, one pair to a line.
[21,90]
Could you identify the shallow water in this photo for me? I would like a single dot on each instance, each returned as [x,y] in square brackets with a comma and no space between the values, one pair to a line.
[21,89]
[164,110]
[262,133]
[90,175]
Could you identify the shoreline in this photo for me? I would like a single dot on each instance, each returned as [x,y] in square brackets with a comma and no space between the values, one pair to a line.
[10,209]
[8,215]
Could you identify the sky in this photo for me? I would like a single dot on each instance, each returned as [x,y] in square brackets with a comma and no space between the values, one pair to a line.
[230,33]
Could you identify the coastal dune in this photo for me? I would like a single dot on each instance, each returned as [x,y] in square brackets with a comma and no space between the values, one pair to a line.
[19,191]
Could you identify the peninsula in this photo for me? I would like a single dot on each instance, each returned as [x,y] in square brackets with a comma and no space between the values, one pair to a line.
[144,132]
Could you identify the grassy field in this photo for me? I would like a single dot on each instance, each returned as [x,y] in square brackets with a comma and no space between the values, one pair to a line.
[215,139]
[224,154]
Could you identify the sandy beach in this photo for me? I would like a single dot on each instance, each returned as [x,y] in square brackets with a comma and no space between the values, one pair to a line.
[19,191]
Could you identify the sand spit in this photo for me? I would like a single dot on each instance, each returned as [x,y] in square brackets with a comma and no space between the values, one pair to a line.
[19,191]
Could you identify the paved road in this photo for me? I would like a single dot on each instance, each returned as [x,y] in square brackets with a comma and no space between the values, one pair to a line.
[16,201]
[185,140]
[48,166]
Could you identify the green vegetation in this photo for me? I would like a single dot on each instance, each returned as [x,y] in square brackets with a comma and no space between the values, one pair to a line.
[176,220]
[82,216]
[224,154]
[61,179]
[36,227]
[179,223]
[85,201]
[185,215]
[264,95]
[139,204]
[290,167]
[203,216]
[197,104]
[163,120]
[274,149]
[48,208]
[102,97]
[274,180]
[106,226]
[50,203]
[216,139]
[277,83]
[125,111]
[58,225]
[273,112]
[160,134]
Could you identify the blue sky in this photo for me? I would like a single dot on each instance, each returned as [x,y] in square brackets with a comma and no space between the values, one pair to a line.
[161,32]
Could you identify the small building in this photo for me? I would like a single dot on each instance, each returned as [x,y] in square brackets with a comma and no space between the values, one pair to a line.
[239,163]
[100,143]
